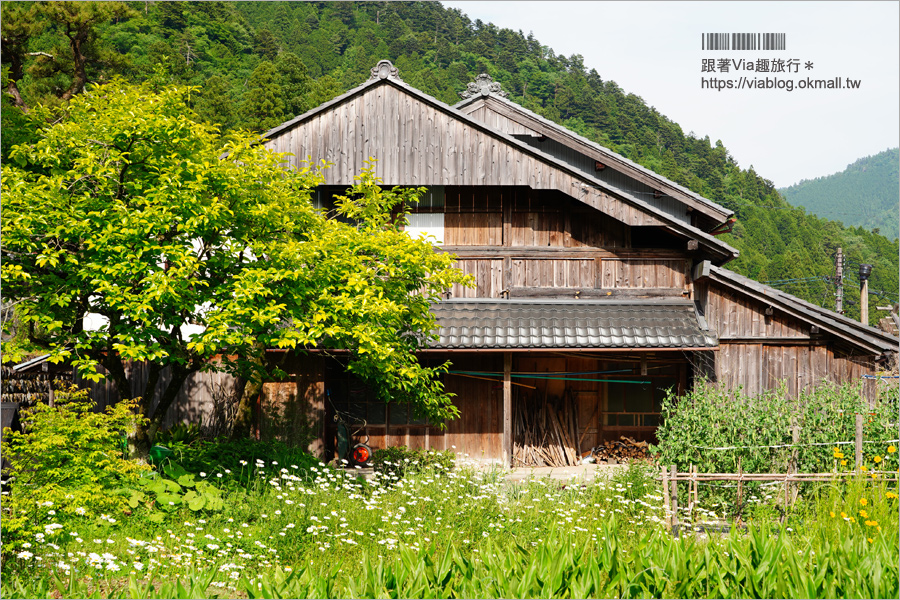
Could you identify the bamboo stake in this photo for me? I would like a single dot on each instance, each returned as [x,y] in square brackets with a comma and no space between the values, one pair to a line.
[673,485]
[664,474]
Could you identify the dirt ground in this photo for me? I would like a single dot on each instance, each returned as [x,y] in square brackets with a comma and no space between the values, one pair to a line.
[578,473]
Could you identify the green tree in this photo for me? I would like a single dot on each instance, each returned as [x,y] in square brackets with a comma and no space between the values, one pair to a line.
[263,105]
[214,103]
[72,57]
[191,245]
[295,83]
[266,44]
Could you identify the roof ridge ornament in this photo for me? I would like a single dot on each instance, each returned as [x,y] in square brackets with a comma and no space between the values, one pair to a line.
[483,85]
[385,69]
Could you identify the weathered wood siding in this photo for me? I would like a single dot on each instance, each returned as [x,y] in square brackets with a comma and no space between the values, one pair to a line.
[293,411]
[734,315]
[528,242]
[417,144]
[204,398]
[759,352]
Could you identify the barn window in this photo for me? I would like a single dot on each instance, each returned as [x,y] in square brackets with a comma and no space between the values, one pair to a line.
[427,217]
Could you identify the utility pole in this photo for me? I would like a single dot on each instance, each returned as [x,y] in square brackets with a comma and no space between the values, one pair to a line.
[864,272]
[839,277]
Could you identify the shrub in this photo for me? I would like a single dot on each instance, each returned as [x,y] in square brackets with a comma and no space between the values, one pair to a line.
[401,460]
[67,457]
[238,456]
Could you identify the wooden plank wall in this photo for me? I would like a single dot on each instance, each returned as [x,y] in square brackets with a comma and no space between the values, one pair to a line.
[293,411]
[204,397]
[478,430]
[510,238]
[760,352]
[474,216]
[415,143]
[476,433]
[734,315]
[761,367]
[488,274]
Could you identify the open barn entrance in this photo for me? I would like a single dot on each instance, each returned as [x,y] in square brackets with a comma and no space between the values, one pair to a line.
[565,405]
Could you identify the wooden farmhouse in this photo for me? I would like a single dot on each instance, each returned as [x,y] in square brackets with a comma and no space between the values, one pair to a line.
[600,284]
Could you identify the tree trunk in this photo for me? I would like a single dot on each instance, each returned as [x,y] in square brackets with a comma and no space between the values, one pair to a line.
[145,430]
[246,390]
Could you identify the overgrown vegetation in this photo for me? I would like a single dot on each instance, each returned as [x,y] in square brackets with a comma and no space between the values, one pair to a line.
[400,460]
[757,431]
[248,519]
[67,460]
[295,533]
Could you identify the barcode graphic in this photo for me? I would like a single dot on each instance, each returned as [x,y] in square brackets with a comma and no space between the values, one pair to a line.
[743,41]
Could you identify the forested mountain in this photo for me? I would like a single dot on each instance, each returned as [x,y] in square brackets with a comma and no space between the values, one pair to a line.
[865,194]
[256,64]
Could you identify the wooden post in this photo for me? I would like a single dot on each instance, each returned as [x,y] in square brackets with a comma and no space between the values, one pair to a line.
[864,301]
[507,409]
[859,440]
[673,491]
[691,487]
[864,272]
[696,487]
[839,277]
[787,494]
[740,487]
[667,508]
[792,465]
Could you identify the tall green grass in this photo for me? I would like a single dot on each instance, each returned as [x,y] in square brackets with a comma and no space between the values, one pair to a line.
[760,563]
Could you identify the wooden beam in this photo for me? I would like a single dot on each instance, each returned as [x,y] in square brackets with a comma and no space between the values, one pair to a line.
[583,293]
[507,410]
[756,339]
[561,252]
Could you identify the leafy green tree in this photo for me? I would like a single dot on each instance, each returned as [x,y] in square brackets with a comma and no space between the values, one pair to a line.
[266,44]
[295,83]
[190,245]
[214,103]
[73,58]
[263,105]
[322,90]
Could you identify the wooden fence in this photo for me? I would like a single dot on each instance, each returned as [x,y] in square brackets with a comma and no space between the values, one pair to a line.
[671,477]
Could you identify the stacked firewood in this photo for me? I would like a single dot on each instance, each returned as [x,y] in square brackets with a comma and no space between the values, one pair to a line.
[546,432]
[622,450]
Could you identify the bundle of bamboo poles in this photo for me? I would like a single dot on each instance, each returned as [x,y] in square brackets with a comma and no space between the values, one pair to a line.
[546,431]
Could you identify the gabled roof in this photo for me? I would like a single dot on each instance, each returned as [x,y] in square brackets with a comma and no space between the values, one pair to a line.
[870,338]
[386,74]
[575,324]
[484,92]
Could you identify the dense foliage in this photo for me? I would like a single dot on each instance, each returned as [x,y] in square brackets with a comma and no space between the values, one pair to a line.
[68,459]
[190,246]
[865,194]
[400,460]
[706,418]
[259,63]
